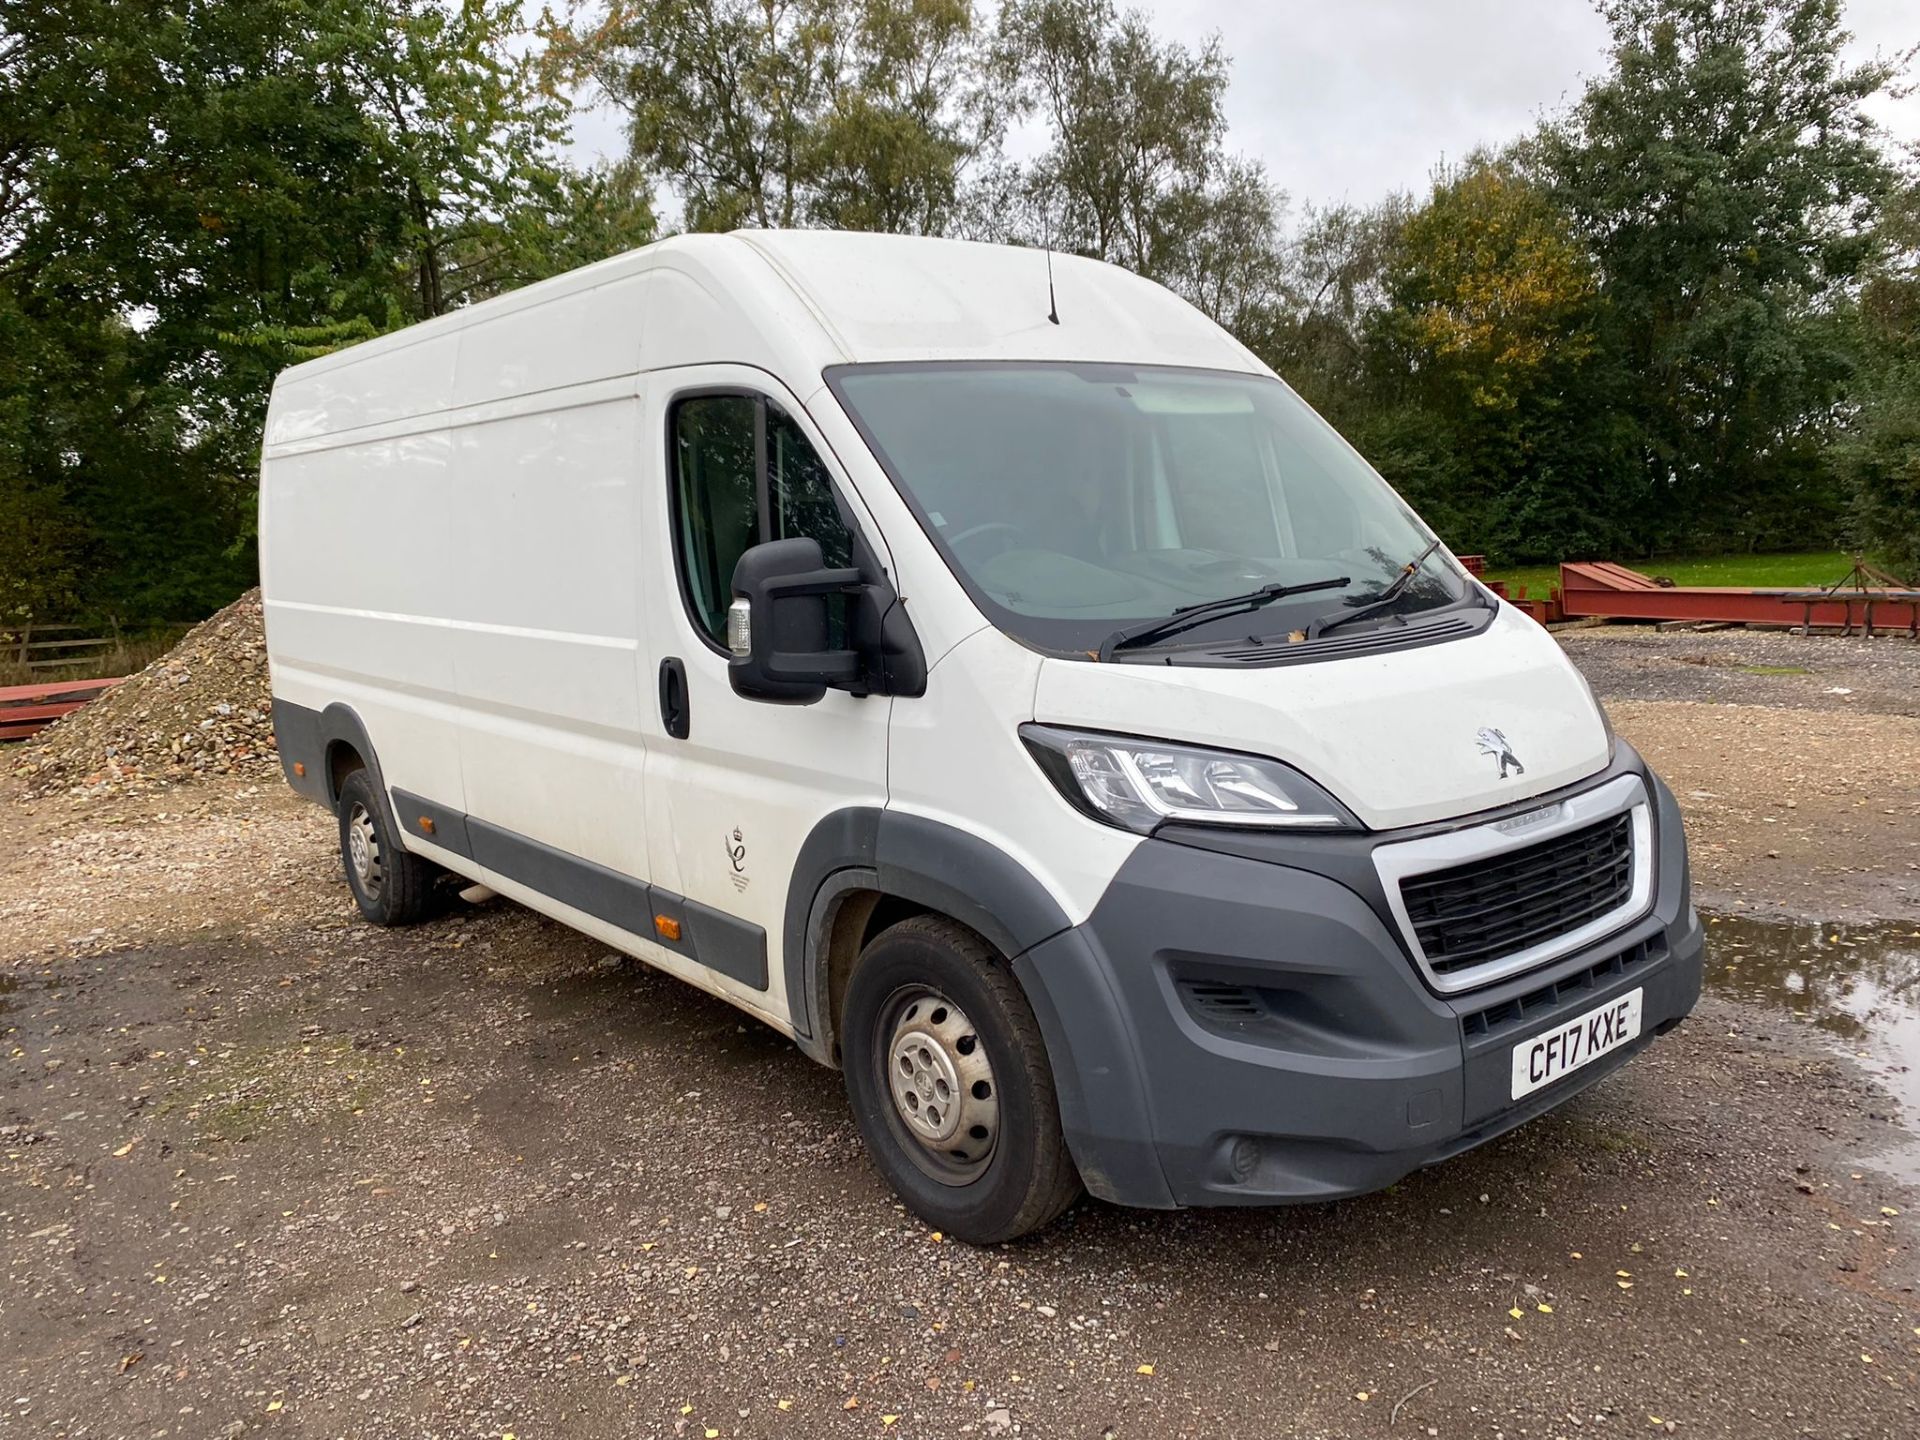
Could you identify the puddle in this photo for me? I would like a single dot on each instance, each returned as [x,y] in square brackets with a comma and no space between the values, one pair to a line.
[1858,985]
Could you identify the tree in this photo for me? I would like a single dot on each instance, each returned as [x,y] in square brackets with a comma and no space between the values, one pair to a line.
[860,114]
[1881,457]
[1725,178]
[1334,279]
[1137,172]
[1491,325]
[192,197]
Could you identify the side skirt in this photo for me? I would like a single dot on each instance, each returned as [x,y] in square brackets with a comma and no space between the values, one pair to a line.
[709,938]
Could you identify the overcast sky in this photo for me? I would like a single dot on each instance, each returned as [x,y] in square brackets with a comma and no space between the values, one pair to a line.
[1354,99]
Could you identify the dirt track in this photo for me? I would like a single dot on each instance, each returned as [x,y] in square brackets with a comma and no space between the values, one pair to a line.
[265,1170]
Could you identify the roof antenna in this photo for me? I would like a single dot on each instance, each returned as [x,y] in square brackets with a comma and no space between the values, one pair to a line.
[1053,309]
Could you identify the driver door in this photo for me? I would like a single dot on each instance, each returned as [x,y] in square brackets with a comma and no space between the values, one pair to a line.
[740,784]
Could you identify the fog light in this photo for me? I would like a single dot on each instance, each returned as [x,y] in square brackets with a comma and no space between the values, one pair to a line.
[740,627]
[1245,1159]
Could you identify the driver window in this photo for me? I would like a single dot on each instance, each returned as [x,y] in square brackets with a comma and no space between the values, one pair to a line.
[724,503]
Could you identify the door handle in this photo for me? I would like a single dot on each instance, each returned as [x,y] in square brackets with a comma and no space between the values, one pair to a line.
[673,697]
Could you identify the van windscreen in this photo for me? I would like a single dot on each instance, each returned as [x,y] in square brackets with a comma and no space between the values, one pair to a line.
[1071,499]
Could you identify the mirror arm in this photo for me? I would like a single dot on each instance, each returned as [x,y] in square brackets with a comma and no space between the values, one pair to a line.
[820,582]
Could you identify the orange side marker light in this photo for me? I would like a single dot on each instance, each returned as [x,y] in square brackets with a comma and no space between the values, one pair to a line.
[667,926]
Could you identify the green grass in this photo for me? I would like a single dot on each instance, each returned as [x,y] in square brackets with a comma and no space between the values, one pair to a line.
[1789,571]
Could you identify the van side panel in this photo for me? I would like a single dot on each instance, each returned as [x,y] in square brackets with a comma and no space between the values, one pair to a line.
[355,553]
[545,579]
[544,586]
[561,342]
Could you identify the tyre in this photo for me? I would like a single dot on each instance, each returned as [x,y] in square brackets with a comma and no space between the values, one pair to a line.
[950,1085]
[392,885]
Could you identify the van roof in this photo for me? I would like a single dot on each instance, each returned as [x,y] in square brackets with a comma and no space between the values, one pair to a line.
[908,297]
[790,302]
[904,297]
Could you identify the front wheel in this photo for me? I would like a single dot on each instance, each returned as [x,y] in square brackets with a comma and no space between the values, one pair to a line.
[950,1084]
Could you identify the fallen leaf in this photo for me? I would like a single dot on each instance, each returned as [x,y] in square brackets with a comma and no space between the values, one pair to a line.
[1361,1395]
[1544,1309]
[853,1403]
[125,1149]
[786,1404]
[1144,1370]
[889,1420]
[1514,1312]
[273,1405]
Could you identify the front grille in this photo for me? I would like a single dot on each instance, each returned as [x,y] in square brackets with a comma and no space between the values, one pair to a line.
[1487,909]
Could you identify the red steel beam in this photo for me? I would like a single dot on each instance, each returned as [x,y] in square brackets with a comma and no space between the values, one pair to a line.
[54,689]
[1579,595]
[26,710]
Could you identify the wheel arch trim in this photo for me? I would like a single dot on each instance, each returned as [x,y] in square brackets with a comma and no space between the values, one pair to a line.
[907,857]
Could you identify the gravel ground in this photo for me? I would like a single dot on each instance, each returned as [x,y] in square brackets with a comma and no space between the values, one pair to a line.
[1802,789]
[1750,667]
[267,1170]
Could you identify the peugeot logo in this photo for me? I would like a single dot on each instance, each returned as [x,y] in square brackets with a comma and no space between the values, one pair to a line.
[1493,742]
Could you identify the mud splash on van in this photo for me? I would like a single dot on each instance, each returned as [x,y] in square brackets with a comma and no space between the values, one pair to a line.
[1856,986]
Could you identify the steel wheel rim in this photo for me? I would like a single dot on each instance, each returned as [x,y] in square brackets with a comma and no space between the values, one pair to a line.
[945,1102]
[363,848]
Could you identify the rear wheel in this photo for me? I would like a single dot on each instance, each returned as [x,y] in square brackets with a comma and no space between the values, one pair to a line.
[950,1084]
[392,885]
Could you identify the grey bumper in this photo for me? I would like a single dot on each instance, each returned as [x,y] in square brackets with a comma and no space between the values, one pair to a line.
[1226,1029]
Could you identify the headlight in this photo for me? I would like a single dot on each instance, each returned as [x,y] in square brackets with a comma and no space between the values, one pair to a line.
[1138,784]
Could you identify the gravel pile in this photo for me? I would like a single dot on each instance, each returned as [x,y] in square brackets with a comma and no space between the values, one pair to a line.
[200,709]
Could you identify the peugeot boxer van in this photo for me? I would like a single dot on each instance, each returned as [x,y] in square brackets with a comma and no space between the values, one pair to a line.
[981,668]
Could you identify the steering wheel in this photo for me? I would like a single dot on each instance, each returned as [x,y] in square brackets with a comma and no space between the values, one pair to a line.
[986,527]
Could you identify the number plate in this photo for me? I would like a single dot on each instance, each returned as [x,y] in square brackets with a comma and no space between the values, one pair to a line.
[1565,1048]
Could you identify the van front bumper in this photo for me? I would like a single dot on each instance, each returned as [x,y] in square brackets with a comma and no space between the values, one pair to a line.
[1228,1030]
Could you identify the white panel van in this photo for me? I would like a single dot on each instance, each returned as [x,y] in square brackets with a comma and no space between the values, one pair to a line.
[988,674]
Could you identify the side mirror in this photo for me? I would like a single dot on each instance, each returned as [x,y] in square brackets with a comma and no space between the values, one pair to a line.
[778,627]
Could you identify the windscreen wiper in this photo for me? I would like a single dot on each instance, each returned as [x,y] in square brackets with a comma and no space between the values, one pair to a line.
[1188,616]
[1379,602]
